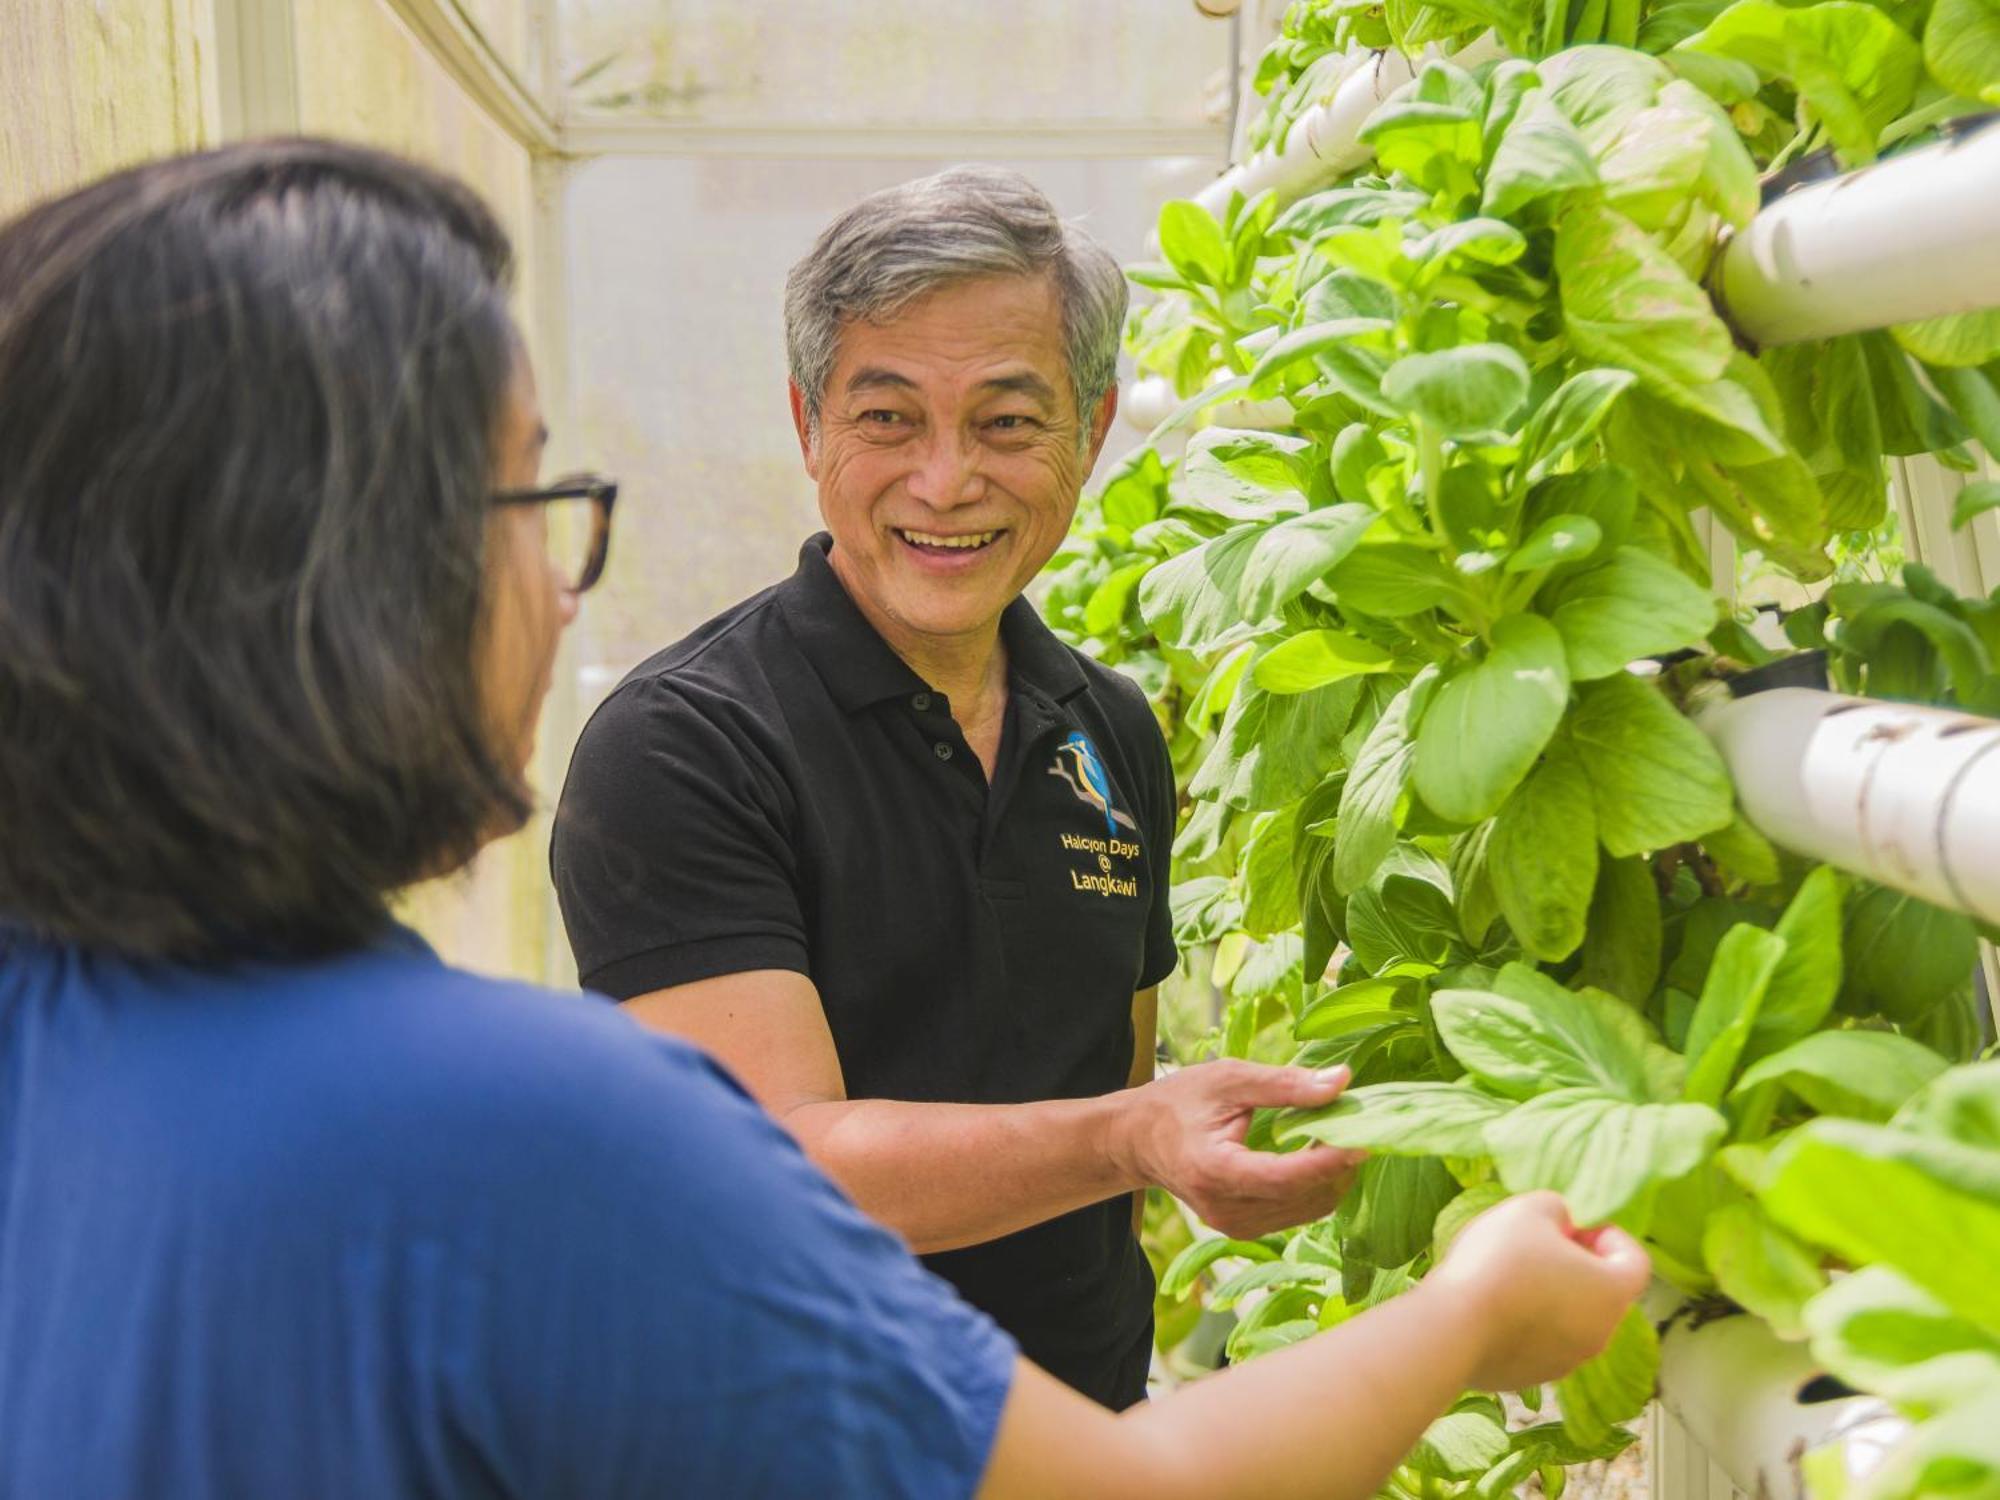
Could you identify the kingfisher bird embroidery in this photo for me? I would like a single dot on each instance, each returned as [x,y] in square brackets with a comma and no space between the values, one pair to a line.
[1078,764]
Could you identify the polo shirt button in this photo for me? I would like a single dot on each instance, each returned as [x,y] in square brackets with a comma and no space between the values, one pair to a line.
[941,750]
[920,701]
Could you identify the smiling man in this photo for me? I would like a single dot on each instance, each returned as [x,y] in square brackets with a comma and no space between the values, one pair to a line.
[891,851]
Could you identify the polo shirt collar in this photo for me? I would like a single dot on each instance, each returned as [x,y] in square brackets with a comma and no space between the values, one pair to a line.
[860,668]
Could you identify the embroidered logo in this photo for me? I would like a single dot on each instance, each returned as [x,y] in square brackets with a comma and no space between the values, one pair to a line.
[1078,764]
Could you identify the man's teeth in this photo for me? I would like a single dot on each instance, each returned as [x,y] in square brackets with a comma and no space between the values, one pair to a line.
[955,543]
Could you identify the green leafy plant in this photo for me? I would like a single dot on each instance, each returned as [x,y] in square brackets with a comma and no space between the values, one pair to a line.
[1424,606]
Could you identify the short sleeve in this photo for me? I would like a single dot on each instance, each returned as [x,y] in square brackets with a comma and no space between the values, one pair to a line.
[689,1307]
[671,856]
[1162,805]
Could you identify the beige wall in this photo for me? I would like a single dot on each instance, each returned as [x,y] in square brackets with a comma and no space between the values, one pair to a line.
[85,88]
[90,85]
[363,74]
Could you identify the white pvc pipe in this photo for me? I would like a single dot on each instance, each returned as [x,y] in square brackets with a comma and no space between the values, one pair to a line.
[1321,143]
[1735,1387]
[1905,795]
[1149,402]
[1917,236]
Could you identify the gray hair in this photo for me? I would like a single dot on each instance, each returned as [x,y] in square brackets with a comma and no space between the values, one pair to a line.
[895,245]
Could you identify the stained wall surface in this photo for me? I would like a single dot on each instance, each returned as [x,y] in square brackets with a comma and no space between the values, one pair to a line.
[85,88]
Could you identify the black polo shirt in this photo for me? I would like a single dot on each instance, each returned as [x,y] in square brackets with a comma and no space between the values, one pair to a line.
[781,791]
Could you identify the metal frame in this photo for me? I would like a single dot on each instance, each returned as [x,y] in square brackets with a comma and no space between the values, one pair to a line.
[257,74]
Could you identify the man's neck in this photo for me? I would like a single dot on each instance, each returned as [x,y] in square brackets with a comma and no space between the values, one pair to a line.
[969,669]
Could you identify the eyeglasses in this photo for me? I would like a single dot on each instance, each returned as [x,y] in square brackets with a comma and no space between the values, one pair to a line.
[578,508]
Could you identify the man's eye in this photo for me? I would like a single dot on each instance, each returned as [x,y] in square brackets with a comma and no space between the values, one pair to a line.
[881,418]
[1013,422]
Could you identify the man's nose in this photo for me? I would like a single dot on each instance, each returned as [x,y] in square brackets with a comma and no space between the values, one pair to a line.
[947,474]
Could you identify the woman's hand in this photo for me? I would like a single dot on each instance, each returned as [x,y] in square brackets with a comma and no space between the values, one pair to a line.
[1543,1295]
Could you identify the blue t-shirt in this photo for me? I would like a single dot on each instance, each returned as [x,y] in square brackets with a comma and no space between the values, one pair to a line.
[376,1228]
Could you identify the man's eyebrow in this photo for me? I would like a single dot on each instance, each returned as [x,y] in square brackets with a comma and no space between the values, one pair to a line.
[1027,383]
[873,377]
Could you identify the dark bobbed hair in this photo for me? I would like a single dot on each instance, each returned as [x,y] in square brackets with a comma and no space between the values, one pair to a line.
[249,401]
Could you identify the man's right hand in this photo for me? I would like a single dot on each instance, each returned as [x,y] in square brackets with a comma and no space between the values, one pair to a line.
[1185,1133]
[1544,1295]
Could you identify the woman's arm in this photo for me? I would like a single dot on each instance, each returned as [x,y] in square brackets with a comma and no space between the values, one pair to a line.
[1523,1298]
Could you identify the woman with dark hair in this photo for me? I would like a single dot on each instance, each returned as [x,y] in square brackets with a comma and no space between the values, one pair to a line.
[287,1207]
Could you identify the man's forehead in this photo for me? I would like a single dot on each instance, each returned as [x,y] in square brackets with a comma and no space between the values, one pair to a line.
[1004,333]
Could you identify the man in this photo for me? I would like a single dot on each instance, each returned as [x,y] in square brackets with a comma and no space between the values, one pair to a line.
[897,856]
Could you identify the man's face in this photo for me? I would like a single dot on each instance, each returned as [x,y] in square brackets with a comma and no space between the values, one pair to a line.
[949,456]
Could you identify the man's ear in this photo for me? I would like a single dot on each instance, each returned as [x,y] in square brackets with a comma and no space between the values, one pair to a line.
[803,427]
[1100,424]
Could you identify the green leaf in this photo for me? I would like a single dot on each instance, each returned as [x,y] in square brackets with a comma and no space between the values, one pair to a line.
[1387,1216]
[1864,1075]
[1461,1211]
[1193,244]
[1270,896]
[1621,946]
[1404,920]
[1274,748]
[1210,486]
[1487,724]
[1306,344]
[1603,494]
[1974,500]
[1741,853]
[1542,858]
[1904,955]
[1351,1007]
[1370,802]
[1655,778]
[1559,539]
[1961,650]
[1807,980]
[1602,1394]
[1850,63]
[1528,1035]
[1760,1267]
[1963,1104]
[1136,491]
[1391,579]
[1186,1268]
[1962,48]
[1314,658]
[1231,588]
[1627,304]
[1468,392]
[1540,156]
[1459,1445]
[1109,601]
[1629,606]
[1731,999]
[1403,1119]
[1274,460]
[1873,1326]
[1600,1152]
[1958,341]
[1570,417]
[1933,1207]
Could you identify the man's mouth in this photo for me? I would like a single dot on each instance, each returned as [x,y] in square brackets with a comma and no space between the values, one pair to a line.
[930,541]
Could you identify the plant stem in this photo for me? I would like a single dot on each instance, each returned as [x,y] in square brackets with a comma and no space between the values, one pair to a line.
[1430,469]
[1622,27]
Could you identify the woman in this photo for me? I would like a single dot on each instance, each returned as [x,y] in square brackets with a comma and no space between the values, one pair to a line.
[287,1207]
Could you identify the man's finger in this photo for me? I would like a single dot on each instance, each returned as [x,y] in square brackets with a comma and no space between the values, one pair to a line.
[1296,1171]
[1300,1088]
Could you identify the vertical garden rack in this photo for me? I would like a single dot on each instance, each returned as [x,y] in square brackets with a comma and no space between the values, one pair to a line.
[1906,797]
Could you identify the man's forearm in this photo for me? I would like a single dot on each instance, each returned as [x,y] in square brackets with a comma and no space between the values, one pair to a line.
[949,1175]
